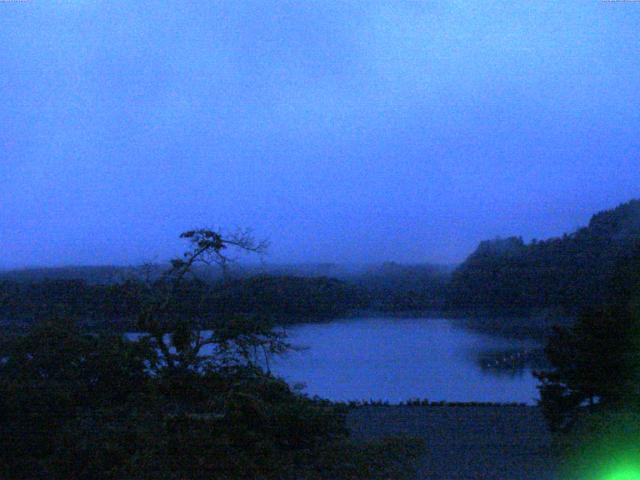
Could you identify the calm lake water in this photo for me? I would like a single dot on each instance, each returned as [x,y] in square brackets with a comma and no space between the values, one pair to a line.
[397,359]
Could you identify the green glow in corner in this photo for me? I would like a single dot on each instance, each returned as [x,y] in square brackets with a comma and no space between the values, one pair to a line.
[603,446]
[624,473]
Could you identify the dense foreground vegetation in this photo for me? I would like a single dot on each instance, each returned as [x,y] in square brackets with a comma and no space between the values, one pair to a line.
[87,405]
[591,394]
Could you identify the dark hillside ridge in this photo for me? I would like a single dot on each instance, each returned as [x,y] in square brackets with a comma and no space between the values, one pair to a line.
[286,298]
[563,275]
[300,294]
[100,274]
[282,299]
[394,287]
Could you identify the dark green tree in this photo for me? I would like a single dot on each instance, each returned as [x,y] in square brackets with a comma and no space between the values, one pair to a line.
[51,377]
[182,342]
[595,364]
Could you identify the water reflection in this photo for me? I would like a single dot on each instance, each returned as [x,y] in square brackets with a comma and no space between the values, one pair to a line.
[511,361]
[398,359]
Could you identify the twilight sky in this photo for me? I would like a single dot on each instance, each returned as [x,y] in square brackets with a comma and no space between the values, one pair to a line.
[341,131]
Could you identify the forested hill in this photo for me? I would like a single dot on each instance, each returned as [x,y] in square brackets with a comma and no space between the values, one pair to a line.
[294,292]
[394,287]
[564,274]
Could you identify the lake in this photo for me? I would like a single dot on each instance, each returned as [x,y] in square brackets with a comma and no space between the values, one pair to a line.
[397,359]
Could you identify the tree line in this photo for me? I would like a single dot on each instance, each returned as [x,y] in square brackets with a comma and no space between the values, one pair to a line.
[116,302]
[117,305]
[564,275]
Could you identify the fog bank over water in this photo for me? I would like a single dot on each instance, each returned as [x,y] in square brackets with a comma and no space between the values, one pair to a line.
[347,133]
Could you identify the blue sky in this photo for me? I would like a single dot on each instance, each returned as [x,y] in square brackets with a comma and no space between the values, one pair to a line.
[341,131]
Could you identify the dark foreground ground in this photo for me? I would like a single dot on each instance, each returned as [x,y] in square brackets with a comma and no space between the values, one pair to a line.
[463,443]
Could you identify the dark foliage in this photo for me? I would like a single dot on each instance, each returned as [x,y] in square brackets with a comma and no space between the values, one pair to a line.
[285,299]
[595,365]
[565,275]
[84,406]
[394,287]
[595,362]
[52,377]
